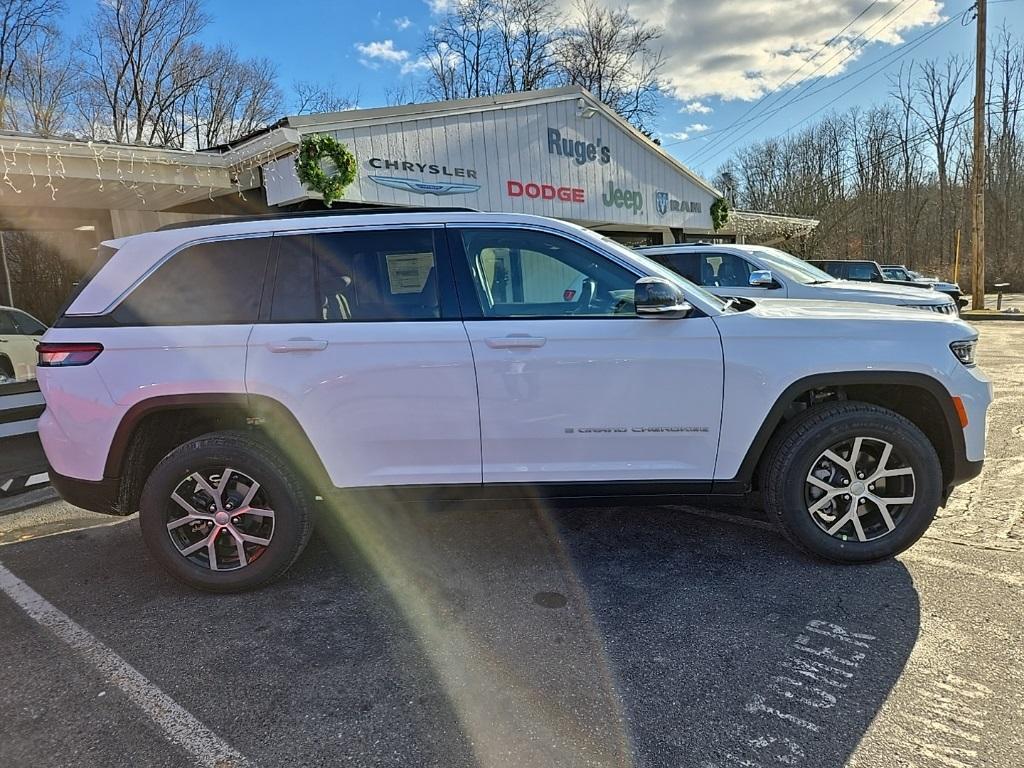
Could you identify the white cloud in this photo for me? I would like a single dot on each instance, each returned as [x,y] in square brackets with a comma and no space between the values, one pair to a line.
[678,135]
[402,23]
[380,51]
[695,108]
[698,127]
[438,6]
[744,48]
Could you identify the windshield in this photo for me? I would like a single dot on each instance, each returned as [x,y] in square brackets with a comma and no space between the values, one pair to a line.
[790,266]
[892,273]
[654,268]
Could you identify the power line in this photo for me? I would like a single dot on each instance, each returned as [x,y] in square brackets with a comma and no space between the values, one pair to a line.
[792,100]
[904,47]
[920,41]
[804,64]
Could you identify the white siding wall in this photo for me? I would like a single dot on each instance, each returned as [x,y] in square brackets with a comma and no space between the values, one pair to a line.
[510,144]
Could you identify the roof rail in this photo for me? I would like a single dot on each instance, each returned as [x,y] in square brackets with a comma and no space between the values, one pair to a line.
[313,214]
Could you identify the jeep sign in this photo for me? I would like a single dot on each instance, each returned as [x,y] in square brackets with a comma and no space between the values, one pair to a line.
[630,199]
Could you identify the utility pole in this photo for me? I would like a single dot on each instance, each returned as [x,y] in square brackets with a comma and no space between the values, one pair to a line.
[978,166]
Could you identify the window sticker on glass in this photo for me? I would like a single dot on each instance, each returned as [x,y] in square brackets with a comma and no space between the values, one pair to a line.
[408,272]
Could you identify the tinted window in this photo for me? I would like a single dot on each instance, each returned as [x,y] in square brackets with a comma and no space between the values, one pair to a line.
[27,324]
[295,284]
[386,275]
[860,271]
[519,273]
[724,270]
[7,324]
[686,264]
[833,268]
[217,283]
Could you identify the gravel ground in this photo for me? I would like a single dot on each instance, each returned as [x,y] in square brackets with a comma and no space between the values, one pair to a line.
[532,636]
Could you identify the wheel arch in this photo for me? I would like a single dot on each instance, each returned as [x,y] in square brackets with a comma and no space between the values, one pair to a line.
[922,399]
[153,427]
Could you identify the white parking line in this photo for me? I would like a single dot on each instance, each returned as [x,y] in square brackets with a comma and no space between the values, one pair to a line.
[177,724]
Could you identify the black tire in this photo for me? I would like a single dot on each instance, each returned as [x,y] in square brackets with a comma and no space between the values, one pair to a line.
[797,447]
[280,490]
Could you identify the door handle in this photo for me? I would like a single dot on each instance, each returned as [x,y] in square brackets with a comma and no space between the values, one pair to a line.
[297,345]
[516,341]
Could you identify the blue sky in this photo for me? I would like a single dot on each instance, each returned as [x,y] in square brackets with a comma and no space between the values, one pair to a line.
[722,57]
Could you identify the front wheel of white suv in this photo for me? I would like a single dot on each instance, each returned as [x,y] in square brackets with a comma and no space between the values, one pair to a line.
[225,513]
[851,482]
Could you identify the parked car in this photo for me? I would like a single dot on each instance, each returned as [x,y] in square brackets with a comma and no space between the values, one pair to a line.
[898,273]
[762,271]
[872,272]
[19,334]
[242,373]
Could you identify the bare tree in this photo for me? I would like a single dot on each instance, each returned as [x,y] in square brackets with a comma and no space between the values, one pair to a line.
[463,52]
[616,57]
[937,88]
[20,21]
[44,84]
[311,97]
[140,60]
[527,34]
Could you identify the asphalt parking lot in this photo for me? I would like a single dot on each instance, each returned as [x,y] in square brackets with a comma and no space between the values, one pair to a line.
[532,636]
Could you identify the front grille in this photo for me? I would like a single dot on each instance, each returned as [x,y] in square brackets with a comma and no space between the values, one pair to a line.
[945,309]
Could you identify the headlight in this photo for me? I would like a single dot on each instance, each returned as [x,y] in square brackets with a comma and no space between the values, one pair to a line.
[964,351]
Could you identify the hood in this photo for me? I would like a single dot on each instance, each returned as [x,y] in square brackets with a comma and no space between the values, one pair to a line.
[847,310]
[886,292]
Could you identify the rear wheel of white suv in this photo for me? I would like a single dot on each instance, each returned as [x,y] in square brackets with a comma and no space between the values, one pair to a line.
[225,513]
[851,482]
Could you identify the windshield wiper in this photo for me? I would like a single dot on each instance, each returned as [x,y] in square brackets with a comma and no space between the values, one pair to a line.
[728,303]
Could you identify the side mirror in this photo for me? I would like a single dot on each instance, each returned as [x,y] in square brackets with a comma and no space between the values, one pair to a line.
[657,297]
[761,278]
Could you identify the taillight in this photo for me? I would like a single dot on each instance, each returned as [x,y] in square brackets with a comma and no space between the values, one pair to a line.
[57,355]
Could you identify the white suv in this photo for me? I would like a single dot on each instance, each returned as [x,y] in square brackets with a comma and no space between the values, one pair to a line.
[226,379]
[760,271]
[19,334]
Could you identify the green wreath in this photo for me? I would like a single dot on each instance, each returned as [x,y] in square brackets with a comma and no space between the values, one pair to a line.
[312,150]
[719,213]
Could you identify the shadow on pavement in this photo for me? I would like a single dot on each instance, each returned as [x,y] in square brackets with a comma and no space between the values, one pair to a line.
[522,636]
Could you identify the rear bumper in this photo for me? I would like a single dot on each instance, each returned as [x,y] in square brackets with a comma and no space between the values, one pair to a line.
[95,495]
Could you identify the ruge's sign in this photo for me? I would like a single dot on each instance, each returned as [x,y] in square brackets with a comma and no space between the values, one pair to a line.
[581,152]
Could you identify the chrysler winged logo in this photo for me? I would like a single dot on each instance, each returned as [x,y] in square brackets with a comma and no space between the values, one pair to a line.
[661,202]
[426,187]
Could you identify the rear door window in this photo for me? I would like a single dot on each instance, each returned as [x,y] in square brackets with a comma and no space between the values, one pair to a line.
[215,283]
[357,276]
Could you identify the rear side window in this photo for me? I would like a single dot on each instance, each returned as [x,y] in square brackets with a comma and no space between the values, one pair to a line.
[27,324]
[218,283]
[7,327]
[357,276]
